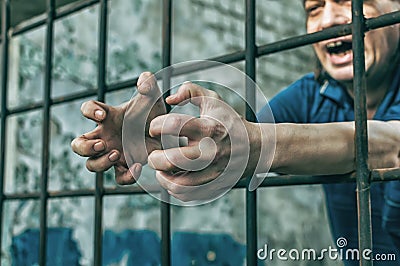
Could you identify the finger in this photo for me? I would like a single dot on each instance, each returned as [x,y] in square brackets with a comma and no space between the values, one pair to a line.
[198,194]
[173,188]
[182,125]
[184,182]
[104,162]
[125,176]
[88,147]
[147,84]
[94,110]
[189,158]
[192,92]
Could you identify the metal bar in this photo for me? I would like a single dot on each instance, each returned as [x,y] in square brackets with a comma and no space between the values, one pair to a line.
[380,175]
[283,45]
[361,133]
[46,131]
[60,13]
[329,33]
[74,7]
[5,26]
[101,83]
[382,21]
[166,62]
[250,65]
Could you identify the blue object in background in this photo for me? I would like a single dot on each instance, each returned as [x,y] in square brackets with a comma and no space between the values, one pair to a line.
[132,248]
[61,248]
[206,249]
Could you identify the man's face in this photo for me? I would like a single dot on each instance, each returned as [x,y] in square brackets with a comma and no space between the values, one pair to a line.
[336,55]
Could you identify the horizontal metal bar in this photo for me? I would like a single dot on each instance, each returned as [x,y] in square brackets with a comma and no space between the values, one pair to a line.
[382,21]
[59,100]
[378,175]
[286,44]
[388,174]
[60,13]
[329,33]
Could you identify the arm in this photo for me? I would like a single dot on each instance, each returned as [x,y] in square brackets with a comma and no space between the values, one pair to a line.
[314,148]
[329,148]
[300,148]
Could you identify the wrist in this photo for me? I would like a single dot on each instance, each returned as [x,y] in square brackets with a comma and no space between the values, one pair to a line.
[262,147]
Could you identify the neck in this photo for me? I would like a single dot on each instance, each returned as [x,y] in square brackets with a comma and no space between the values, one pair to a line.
[376,90]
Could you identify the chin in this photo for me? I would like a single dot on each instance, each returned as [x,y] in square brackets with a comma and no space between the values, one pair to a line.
[344,78]
[342,75]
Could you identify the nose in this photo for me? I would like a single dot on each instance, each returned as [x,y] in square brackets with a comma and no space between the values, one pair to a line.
[333,14]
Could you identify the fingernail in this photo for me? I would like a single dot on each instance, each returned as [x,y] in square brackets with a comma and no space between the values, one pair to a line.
[136,169]
[99,146]
[113,157]
[99,114]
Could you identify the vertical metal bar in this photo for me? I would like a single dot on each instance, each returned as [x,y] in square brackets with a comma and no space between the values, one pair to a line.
[361,137]
[46,131]
[5,26]
[251,196]
[166,61]
[101,83]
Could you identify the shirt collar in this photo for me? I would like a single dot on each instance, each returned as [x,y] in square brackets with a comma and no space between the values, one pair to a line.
[331,89]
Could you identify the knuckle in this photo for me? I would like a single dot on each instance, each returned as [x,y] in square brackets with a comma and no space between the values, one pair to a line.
[173,187]
[186,86]
[90,166]
[169,162]
[210,128]
[173,122]
[146,74]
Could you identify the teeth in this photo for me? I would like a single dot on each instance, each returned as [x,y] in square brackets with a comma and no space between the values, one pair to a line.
[334,44]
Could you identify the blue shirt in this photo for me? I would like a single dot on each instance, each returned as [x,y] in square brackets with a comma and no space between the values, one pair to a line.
[310,101]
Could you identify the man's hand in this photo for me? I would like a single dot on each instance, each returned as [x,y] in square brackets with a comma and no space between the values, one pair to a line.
[217,152]
[104,147]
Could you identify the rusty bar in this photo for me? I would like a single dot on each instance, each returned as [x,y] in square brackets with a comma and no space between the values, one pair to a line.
[251,196]
[361,133]
[166,62]
[101,83]
[46,131]
[5,26]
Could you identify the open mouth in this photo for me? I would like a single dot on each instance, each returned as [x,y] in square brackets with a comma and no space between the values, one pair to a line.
[339,47]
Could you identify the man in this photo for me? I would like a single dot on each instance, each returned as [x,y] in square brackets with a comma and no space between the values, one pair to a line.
[314,130]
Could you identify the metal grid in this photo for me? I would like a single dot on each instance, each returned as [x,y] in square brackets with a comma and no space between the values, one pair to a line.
[363,176]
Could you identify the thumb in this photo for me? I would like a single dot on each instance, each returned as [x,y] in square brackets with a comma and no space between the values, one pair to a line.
[147,84]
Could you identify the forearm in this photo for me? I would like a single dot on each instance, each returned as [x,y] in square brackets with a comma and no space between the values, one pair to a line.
[314,148]
[319,149]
